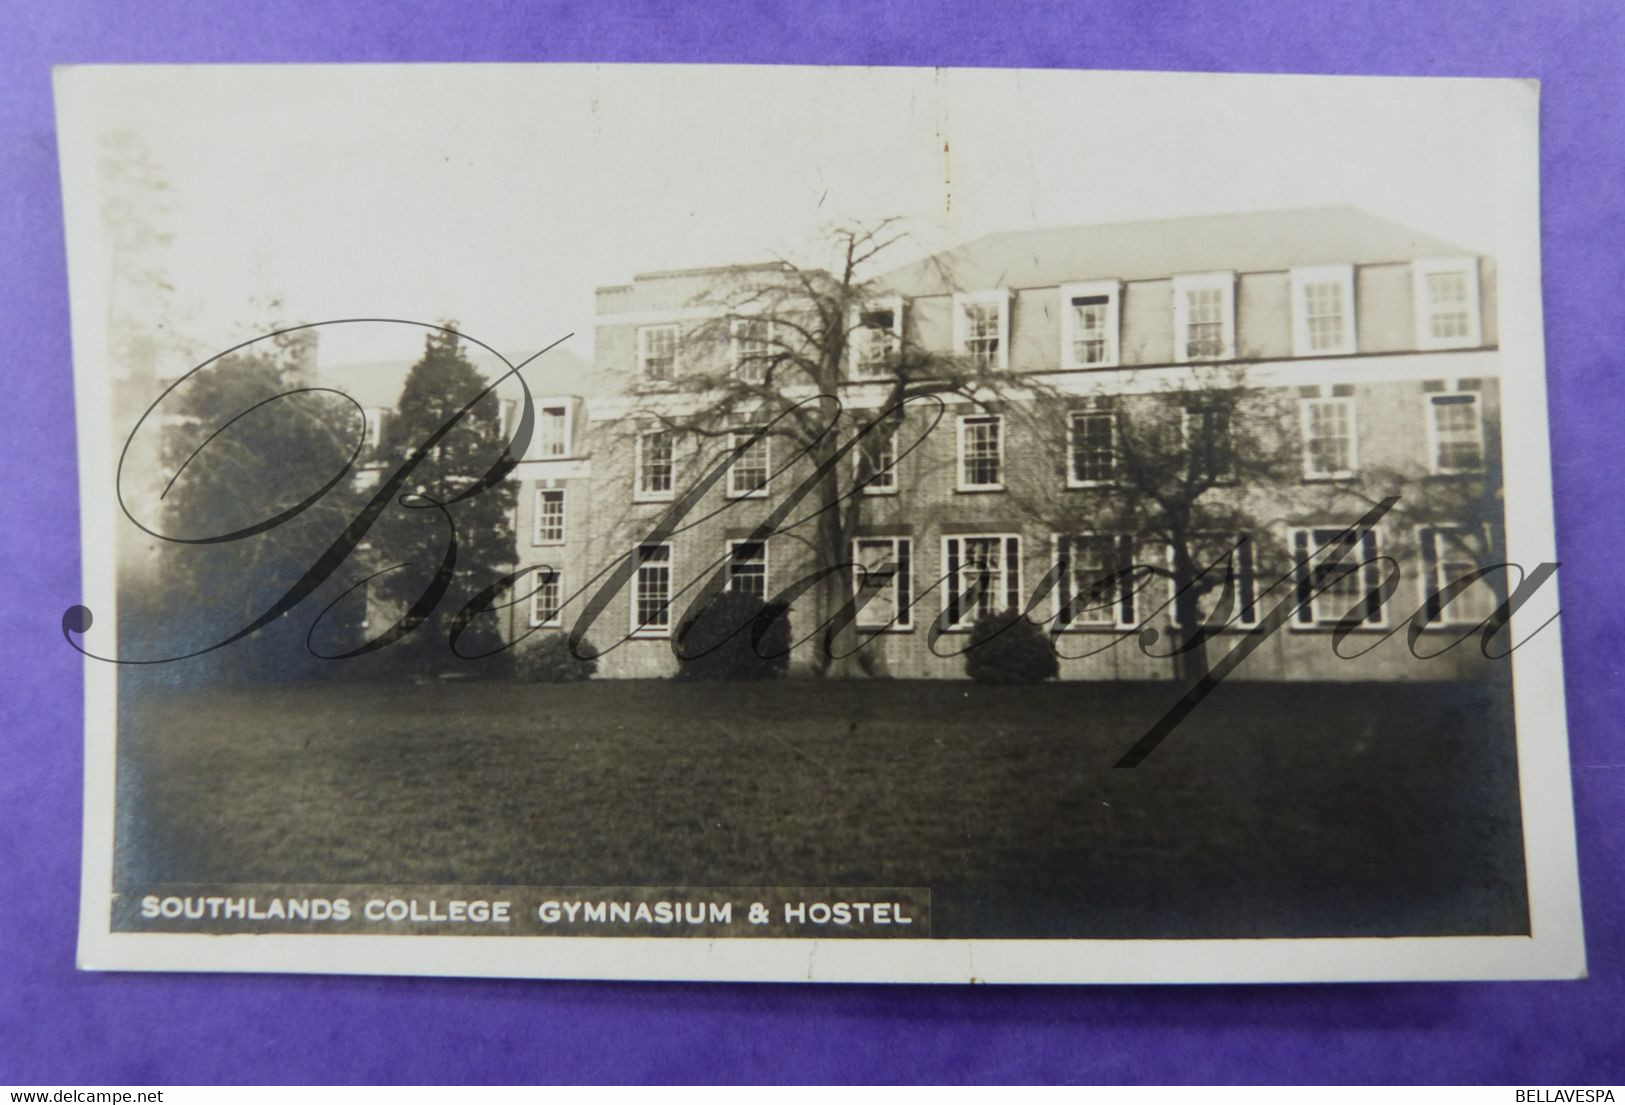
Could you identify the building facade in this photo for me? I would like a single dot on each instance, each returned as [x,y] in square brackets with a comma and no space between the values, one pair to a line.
[1372,347]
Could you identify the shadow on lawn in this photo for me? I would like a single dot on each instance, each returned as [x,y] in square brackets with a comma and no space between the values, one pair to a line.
[1275,810]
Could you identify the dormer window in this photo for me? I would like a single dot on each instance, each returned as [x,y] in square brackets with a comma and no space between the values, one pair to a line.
[1323,311]
[1205,317]
[876,338]
[982,327]
[1089,321]
[1447,315]
[553,430]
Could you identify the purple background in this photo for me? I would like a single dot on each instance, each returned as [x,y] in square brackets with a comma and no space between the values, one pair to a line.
[62,1027]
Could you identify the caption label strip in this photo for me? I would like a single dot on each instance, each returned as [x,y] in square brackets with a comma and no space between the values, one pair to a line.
[867,913]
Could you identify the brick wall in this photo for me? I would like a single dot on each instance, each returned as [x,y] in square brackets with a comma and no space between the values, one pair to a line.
[1390,394]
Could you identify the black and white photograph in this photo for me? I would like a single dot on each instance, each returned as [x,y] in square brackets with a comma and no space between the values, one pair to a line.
[815,523]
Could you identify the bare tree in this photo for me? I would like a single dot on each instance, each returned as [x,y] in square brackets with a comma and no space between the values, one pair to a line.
[1453,504]
[1184,472]
[787,343]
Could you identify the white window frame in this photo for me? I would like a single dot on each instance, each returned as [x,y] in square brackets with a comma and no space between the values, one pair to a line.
[1245,615]
[959,454]
[902,591]
[537,537]
[736,342]
[887,432]
[1425,267]
[857,343]
[1372,581]
[734,543]
[634,627]
[1430,583]
[1430,410]
[643,352]
[1186,283]
[1302,337]
[1001,297]
[737,438]
[1113,291]
[376,418]
[557,620]
[566,442]
[1058,602]
[1072,417]
[1008,583]
[1305,419]
[640,493]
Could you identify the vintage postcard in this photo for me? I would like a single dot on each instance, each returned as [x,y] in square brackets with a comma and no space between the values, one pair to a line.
[815,524]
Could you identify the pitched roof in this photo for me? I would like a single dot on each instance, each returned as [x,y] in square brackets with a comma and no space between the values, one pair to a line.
[1261,241]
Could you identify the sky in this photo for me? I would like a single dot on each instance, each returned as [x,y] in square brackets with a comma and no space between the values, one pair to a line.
[501,196]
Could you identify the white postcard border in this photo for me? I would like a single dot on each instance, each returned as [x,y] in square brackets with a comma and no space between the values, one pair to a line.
[1555,948]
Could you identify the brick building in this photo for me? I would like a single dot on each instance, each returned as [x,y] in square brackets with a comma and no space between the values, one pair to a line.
[1374,345]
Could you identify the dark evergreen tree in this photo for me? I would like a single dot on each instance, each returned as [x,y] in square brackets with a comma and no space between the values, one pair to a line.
[412,537]
[244,443]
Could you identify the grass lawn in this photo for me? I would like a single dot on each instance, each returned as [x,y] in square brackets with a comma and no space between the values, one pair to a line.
[1293,810]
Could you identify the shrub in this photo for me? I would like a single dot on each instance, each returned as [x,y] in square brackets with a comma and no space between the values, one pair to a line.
[720,642]
[550,660]
[1008,648]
